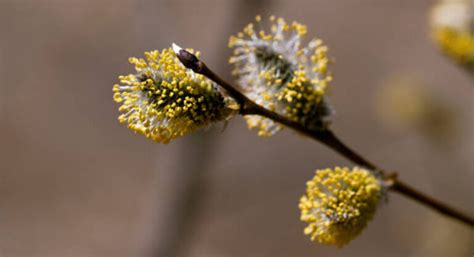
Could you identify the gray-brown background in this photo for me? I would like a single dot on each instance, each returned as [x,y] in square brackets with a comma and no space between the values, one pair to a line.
[74,182]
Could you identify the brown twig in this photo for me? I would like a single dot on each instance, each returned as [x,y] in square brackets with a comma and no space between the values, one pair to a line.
[325,136]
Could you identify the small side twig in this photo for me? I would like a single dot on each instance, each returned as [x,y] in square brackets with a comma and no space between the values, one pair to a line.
[326,137]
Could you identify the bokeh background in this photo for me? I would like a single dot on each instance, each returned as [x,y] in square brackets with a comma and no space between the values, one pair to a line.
[74,182]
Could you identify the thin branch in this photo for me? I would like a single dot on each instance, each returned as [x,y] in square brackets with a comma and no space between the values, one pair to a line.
[326,137]
[422,198]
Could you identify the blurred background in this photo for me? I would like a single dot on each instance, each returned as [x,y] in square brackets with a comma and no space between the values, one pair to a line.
[75,182]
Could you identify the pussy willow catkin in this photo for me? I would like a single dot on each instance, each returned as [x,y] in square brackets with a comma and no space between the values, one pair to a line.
[452,23]
[338,204]
[163,100]
[277,72]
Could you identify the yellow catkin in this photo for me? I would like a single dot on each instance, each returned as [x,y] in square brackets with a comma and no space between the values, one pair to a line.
[452,23]
[338,204]
[163,100]
[276,71]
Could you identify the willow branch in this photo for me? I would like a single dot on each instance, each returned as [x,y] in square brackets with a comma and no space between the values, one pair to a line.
[324,136]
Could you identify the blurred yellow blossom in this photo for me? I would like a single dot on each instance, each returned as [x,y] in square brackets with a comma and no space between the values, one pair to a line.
[453,29]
